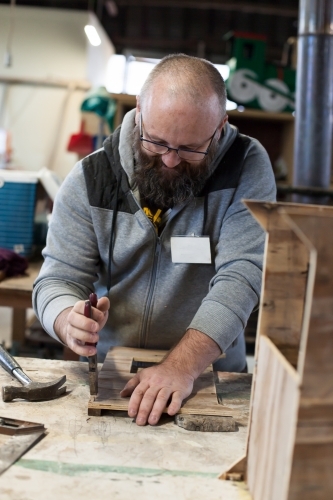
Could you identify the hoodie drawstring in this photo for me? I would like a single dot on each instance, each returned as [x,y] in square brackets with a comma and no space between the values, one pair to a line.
[112,235]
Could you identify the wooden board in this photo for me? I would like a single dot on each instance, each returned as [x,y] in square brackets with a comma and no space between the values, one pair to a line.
[116,371]
[273,421]
[290,441]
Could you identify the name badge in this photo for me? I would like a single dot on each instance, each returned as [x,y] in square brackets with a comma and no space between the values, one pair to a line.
[190,250]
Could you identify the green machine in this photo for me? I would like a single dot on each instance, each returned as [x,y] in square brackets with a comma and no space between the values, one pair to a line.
[255,83]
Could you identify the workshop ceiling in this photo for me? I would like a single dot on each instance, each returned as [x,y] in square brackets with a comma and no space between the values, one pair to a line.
[197,27]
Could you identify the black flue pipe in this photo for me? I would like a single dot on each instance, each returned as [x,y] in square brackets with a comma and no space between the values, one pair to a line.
[314,99]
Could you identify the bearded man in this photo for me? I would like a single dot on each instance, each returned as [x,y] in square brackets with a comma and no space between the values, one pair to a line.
[154,223]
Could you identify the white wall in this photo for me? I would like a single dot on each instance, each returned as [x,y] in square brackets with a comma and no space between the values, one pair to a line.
[47,44]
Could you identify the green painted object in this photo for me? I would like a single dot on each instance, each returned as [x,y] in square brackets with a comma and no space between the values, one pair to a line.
[253,82]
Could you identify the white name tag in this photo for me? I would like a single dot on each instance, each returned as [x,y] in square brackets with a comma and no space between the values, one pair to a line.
[190,250]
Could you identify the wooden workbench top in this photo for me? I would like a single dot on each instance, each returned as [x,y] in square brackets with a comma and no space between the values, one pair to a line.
[110,456]
[17,290]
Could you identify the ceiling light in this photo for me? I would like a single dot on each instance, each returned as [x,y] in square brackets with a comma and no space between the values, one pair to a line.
[92,35]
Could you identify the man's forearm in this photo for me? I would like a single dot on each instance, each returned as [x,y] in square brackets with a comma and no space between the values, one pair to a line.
[193,353]
[60,324]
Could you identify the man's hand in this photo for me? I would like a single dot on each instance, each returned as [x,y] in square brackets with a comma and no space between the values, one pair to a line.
[152,388]
[74,329]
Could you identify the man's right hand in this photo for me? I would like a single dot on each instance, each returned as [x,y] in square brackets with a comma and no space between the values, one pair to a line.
[75,330]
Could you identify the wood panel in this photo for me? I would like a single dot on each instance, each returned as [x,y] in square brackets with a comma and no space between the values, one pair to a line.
[318,355]
[290,442]
[311,476]
[273,424]
[284,282]
[116,371]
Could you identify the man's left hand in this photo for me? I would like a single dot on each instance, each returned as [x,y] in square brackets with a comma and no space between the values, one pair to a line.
[152,388]
[171,381]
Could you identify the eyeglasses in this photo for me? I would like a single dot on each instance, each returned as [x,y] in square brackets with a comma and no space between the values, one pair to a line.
[161,149]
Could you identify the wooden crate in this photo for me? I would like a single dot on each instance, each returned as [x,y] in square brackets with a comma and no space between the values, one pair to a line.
[289,452]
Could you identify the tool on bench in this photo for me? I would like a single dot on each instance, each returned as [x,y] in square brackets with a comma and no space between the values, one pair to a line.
[206,423]
[93,368]
[23,435]
[32,391]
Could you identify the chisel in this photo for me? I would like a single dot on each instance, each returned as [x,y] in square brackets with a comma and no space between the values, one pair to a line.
[93,371]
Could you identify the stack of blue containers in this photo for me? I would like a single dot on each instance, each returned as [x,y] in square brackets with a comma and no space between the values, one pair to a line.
[17,210]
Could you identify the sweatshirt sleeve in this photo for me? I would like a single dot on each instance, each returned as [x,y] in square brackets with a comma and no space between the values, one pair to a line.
[235,289]
[71,250]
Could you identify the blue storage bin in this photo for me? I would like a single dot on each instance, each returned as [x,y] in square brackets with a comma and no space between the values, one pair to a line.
[17,210]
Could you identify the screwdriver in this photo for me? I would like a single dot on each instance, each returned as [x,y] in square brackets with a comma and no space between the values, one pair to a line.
[93,370]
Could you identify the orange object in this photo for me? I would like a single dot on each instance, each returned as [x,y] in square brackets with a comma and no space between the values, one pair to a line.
[80,143]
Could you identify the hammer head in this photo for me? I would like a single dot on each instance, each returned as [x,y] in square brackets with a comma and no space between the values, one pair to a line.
[35,391]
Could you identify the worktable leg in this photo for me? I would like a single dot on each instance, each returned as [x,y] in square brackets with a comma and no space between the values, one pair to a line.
[18,325]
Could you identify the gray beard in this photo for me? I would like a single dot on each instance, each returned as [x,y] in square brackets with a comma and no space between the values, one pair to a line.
[166,188]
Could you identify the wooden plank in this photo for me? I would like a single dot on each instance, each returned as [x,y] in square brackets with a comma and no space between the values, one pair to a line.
[317,351]
[311,475]
[273,424]
[233,391]
[284,282]
[116,372]
[290,441]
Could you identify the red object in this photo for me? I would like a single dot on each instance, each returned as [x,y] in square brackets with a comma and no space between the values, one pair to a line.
[93,299]
[248,34]
[92,302]
[81,143]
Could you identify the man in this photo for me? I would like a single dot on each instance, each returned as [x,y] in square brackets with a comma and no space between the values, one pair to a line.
[174,169]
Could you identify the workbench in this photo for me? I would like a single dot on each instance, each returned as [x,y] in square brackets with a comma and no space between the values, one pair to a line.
[110,457]
[16,293]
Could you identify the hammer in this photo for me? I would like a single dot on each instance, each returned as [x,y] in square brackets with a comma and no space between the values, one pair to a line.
[32,391]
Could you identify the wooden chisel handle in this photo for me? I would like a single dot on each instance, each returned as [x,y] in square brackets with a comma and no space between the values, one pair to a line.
[92,302]
[93,299]
[93,371]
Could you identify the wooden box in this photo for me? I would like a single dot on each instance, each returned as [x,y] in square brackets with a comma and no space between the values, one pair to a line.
[290,439]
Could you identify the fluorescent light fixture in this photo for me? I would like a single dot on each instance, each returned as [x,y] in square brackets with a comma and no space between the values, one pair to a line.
[92,35]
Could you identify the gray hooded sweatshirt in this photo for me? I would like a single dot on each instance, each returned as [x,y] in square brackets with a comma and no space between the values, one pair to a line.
[100,239]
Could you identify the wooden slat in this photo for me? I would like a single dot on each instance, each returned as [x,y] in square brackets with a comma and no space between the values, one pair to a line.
[285,280]
[273,424]
[203,400]
[311,476]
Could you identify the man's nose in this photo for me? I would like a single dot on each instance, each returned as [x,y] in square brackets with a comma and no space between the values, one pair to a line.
[171,159]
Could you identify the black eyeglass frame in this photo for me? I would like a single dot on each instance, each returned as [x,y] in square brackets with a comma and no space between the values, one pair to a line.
[205,153]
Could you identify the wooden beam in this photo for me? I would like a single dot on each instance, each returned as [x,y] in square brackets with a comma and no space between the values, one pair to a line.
[245,7]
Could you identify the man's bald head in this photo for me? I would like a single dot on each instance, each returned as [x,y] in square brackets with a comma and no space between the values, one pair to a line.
[190,78]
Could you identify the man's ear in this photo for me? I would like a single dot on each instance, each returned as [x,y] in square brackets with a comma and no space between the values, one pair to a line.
[137,110]
[221,127]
